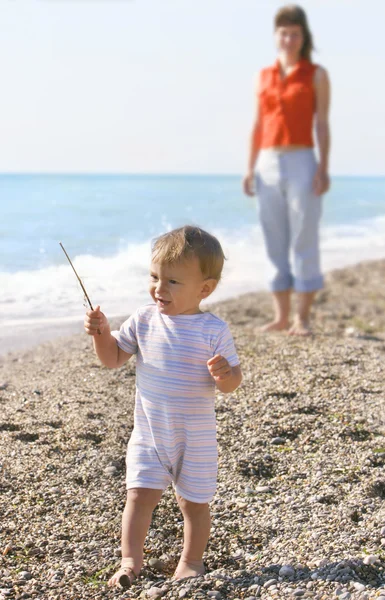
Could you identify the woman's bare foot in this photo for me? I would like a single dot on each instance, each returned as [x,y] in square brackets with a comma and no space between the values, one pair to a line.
[301,328]
[276,325]
[192,568]
[123,577]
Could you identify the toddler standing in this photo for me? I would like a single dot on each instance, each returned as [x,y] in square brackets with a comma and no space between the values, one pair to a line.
[182,355]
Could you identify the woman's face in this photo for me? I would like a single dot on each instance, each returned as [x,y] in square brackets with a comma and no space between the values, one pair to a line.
[289,39]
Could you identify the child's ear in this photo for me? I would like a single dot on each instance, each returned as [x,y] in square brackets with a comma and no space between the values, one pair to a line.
[208,287]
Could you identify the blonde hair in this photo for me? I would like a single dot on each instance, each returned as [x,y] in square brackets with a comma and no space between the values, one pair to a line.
[188,242]
[293,14]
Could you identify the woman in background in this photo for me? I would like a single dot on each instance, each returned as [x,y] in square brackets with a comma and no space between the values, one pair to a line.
[292,96]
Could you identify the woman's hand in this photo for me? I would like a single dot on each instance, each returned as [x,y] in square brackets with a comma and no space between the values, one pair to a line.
[248,184]
[321,182]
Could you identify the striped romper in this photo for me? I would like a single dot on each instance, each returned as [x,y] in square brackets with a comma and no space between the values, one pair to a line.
[174,435]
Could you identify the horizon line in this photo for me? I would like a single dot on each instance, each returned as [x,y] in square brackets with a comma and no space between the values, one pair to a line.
[148,174]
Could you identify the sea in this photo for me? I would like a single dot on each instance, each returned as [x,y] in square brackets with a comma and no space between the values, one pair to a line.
[107,222]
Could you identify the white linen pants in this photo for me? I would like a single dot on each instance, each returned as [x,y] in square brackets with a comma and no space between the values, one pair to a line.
[290,214]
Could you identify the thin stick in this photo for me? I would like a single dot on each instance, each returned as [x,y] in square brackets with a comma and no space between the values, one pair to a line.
[79,280]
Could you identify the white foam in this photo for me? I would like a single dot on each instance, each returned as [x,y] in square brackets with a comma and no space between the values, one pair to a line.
[119,283]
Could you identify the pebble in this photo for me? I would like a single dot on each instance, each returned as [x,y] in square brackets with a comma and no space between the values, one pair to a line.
[359,587]
[351,331]
[278,441]
[25,575]
[155,592]
[269,583]
[262,489]
[111,470]
[286,571]
[156,564]
[372,559]
[299,592]
[382,531]
[214,594]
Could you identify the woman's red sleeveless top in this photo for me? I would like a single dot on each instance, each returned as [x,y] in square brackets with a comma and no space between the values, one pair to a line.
[287,105]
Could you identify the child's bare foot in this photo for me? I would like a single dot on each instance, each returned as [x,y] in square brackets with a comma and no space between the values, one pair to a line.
[189,568]
[123,577]
[276,325]
[301,328]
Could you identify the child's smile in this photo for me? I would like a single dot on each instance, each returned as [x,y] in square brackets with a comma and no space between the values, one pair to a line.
[178,288]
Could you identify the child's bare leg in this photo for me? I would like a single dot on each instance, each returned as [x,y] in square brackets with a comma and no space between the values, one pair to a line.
[136,520]
[301,325]
[197,523]
[281,306]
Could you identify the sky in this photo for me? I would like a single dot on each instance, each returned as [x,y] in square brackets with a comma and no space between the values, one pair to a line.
[166,86]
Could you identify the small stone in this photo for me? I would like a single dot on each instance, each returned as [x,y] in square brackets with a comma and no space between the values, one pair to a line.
[111,470]
[251,598]
[269,583]
[7,549]
[214,594]
[249,490]
[299,592]
[360,587]
[382,531]
[372,559]
[183,592]
[286,571]
[118,552]
[155,593]
[156,564]
[350,331]
[278,441]
[262,489]
[345,596]
[3,386]
[25,575]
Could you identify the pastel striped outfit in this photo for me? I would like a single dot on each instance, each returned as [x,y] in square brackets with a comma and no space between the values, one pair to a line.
[174,435]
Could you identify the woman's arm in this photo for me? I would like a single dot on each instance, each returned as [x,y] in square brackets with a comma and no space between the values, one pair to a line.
[254,146]
[321,181]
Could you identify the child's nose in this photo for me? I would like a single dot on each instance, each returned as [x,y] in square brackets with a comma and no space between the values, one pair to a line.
[160,286]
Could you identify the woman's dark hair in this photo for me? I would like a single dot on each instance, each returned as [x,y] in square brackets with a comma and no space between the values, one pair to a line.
[293,14]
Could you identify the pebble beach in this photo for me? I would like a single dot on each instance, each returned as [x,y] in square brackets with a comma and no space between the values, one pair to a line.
[300,505]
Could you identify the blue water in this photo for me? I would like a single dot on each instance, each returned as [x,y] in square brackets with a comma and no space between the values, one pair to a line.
[106,224]
[100,215]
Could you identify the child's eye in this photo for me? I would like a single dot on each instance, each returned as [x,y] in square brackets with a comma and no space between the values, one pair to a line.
[153,277]
[173,281]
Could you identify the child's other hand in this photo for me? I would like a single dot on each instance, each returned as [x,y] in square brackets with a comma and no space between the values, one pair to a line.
[95,322]
[219,367]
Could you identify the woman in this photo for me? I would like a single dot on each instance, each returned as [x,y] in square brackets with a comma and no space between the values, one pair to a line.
[292,96]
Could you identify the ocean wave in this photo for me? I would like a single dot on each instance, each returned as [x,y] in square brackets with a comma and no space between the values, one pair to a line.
[119,283]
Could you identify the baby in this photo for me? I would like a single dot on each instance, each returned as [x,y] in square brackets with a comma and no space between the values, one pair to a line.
[182,355]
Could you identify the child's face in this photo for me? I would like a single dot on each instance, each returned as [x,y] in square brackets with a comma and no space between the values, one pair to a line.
[178,288]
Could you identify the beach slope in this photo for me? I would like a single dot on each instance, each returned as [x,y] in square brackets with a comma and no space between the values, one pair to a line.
[301,462]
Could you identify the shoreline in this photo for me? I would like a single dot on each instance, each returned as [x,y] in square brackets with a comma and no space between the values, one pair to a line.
[25,336]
